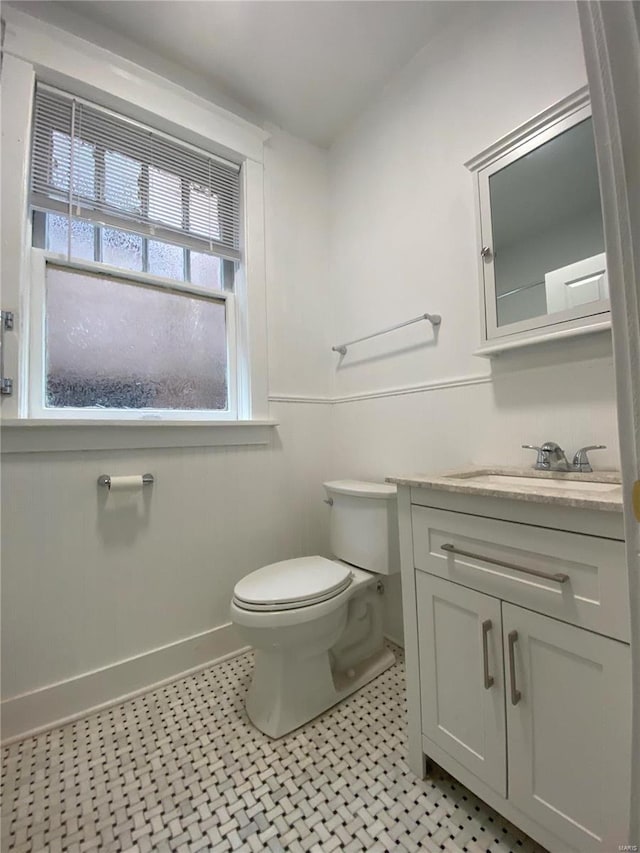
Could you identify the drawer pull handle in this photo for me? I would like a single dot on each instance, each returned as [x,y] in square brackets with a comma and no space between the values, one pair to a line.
[559,577]
[516,695]
[488,679]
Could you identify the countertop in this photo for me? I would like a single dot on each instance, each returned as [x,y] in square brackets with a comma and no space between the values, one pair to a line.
[536,492]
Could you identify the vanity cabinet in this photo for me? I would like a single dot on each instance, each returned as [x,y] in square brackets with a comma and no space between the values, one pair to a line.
[519,684]
[498,680]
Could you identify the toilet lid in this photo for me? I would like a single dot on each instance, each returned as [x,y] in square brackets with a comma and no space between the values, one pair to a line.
[292,583]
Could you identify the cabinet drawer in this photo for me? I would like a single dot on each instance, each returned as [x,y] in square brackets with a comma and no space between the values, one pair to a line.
[594,595]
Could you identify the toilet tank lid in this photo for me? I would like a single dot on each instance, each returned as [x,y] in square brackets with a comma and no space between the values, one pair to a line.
[361,489]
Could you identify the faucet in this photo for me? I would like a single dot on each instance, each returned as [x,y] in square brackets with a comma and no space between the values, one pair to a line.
[551,458]
[581,460]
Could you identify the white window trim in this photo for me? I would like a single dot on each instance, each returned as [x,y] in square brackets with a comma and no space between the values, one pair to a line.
[35,48]
[52,435]
[37,345]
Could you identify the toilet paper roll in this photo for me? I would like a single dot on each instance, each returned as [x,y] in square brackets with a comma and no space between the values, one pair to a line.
[126,484]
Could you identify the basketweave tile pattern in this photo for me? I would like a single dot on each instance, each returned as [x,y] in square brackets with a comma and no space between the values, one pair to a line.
[182,769]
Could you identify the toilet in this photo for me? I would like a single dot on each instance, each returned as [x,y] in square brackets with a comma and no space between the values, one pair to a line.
[316,624]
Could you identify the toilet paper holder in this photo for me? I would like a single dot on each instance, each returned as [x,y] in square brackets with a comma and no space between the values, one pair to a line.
[105,480]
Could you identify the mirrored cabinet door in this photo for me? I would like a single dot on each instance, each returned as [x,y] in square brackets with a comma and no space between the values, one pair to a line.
[541,235]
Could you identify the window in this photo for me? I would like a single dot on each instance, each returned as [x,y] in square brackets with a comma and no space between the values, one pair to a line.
[136,252]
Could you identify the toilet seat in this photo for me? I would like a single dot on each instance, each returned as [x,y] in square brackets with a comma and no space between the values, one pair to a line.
[291,584]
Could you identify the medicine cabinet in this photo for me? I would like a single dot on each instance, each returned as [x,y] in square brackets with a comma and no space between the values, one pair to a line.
[540,234]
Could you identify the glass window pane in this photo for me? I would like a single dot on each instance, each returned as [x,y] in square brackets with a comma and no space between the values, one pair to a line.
[82,237]
[112,344]
[121,249]
[206,270]
[165,197]
[166,260]
[122,176]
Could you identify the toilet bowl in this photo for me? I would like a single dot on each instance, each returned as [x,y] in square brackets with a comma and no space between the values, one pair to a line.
[316,624]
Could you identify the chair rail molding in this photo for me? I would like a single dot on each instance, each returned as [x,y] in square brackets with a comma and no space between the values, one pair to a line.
[392,391]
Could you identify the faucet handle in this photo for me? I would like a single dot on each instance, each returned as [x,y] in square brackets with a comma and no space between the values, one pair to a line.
[542,460]
[581,460]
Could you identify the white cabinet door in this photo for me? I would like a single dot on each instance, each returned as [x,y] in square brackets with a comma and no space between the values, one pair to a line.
[569,723]
[461,678]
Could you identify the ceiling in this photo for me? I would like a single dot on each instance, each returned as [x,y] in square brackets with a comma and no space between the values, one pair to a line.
[309,67]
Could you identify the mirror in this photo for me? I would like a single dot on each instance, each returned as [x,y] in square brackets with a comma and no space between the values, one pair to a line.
[543,264]
[546,215]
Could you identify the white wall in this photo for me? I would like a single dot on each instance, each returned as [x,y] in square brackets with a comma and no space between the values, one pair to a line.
[88,581]
[86,584]
[403,242]
[298,299]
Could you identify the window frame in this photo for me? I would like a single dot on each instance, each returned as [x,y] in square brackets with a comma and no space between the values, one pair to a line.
[37,344]
[60,59]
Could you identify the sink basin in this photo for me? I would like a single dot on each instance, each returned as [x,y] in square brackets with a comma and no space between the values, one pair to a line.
[538,483]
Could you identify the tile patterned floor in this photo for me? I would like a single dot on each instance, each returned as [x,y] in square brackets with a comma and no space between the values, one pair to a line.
[182,769]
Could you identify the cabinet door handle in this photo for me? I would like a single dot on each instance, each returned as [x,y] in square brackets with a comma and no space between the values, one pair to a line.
[488,679]
[516,695]
[559,577]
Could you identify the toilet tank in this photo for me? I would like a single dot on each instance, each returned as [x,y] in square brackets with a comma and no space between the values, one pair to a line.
[364,525]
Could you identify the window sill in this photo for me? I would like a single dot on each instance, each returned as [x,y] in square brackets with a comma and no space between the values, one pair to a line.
[32,435]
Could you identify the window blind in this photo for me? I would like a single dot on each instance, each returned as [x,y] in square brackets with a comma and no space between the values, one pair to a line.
[94,164]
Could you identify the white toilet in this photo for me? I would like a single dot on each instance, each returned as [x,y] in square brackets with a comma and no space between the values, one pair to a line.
[316,624]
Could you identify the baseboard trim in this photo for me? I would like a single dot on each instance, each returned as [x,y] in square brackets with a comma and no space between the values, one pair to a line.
[58,704]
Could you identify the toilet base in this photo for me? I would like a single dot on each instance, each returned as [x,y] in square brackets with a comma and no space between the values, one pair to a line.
[286,693]
[348,682]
